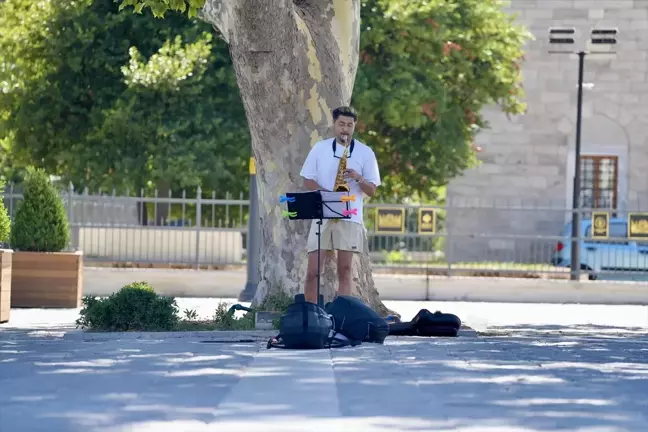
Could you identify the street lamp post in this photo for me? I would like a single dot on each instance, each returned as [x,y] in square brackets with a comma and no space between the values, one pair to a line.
[565,36]
[252,239]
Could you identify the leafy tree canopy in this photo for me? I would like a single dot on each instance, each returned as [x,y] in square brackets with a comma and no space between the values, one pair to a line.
[100,95]
[5,222]
[427,68]
[161,7]
[109,99]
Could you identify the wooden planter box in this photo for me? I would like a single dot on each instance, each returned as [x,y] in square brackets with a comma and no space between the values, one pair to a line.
[5,284]
[47,280]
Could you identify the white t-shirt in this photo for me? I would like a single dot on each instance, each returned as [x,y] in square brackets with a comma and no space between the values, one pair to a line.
[321,165]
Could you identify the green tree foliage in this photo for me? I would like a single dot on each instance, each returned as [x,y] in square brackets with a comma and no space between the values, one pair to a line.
[165,127]
[102,97]
[40,221]
[161,7]
[427,68]
[9,170]
[5,222]
[109,99]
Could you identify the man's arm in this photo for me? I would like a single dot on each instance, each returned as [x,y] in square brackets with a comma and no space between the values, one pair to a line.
[309,170]
[370,179]
[312,184]
[369,189]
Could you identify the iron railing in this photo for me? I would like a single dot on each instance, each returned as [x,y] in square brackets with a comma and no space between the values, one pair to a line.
[467,238]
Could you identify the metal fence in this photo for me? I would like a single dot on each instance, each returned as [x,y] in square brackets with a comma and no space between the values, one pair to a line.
[460,238]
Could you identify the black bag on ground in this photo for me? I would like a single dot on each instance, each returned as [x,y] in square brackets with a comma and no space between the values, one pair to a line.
[357,321]
[426,323]
[305,325]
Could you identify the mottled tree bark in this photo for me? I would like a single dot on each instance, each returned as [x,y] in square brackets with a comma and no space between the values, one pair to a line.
[295,60]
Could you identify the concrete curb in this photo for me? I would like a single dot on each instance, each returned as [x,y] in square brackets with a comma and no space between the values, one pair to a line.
[206,335]
[234,336]
[229,283]
[467,332]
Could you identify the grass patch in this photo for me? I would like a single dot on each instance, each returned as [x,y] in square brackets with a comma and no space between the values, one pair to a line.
[480,265]
[224,318]
[493,269]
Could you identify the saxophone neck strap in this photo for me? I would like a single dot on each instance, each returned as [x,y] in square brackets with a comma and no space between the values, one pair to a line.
[351,146]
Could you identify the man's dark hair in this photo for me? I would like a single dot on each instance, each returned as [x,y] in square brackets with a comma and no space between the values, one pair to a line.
[346,111]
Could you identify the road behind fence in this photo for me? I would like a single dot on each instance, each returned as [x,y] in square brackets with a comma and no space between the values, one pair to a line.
[460,238]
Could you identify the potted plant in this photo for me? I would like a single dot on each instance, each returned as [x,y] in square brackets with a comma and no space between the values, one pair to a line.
[44,274]
[5,260]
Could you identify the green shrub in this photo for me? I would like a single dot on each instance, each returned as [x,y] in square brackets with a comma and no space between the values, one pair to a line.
[135,307]
[276,302]
[40,222]
[5,222]
[223,320]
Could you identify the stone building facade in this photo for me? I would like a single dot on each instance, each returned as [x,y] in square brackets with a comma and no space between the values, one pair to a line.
[528,161]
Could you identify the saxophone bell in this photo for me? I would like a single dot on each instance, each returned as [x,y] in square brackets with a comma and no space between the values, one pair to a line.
[342,188]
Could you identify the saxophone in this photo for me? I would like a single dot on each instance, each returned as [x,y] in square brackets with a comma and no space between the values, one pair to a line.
[340,184]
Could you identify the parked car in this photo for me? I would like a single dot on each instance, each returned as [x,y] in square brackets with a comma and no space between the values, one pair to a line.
[616,254]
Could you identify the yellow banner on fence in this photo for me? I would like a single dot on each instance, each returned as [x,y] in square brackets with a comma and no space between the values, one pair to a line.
[427,221]
[600,225]
[638,226]
[390,220]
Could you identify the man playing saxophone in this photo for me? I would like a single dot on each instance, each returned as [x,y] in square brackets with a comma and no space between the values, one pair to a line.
[336,164]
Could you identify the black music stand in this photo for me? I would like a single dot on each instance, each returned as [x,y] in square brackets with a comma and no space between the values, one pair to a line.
[318,205]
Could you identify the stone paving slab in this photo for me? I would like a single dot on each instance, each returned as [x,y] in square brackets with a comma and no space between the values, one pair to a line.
[58,385]
[527,381]
[533,369]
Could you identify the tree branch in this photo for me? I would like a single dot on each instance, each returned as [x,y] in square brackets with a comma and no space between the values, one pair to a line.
[218,13]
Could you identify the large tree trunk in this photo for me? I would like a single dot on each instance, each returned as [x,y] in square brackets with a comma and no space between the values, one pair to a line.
[295,61]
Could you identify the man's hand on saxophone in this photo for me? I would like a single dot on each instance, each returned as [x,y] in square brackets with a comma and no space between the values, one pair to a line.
[352,174]
[368,188]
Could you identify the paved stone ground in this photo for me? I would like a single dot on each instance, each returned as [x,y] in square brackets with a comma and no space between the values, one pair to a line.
[538,368]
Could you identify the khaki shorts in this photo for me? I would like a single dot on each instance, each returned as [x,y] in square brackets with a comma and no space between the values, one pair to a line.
[338,235]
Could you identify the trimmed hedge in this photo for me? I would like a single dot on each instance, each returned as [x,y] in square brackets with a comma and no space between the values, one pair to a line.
[40,222]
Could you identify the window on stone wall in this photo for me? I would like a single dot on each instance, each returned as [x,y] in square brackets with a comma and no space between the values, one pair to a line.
[599,182]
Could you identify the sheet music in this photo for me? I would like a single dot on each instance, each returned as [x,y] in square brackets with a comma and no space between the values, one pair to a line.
[333,207]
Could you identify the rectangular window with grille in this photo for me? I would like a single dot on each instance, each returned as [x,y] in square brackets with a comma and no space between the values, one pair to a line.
[599,179]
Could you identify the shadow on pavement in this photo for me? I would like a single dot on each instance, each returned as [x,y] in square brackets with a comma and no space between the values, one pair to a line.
[73,385]
[528,379]
[528,382]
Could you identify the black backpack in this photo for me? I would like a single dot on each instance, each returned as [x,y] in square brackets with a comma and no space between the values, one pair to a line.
[357,321]
[426,323]
[305,325]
